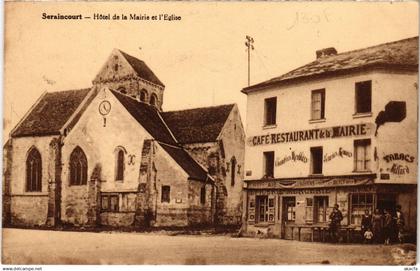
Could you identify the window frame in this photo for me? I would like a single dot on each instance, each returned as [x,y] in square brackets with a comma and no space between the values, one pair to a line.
[82,178]
[268,166]
[153,99]
[365,144]
[233,171]
[33,157]
[203,195]
[108,199]
[270,111]
[261,201]
[361,87]
[120,176]
[313,151]
[321,93]
[361,207]
[165,196]
[325,206]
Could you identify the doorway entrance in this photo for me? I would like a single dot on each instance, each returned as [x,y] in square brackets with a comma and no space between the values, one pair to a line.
[386,201]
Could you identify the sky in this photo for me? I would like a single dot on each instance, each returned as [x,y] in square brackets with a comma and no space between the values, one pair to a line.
[201,59]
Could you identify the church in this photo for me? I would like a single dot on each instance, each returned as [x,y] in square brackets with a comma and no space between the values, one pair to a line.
[109,156]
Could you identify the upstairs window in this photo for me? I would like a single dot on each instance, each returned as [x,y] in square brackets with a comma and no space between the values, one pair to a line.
[318,104]
[203,195]
[316,160]
[364,97]
[270,109]
[362,155]
[269,164]
[78,167]
[34,171]
[166,194]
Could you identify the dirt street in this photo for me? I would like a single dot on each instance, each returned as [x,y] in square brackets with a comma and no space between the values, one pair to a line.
[54,247]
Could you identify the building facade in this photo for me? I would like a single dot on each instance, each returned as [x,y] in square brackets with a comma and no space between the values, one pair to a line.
[339,130]
[108,156]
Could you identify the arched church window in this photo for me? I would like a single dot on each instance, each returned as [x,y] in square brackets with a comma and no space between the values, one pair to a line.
[120,164]
[153,99]
[34,171]
[78,167]
[143,95]
[232,170]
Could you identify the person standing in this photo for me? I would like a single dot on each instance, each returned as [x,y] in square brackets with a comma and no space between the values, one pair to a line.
[335,219]
[377,225]
[366,222]
[388,227]
[399,219]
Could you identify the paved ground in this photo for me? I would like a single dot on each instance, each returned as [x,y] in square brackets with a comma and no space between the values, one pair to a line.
[54,247]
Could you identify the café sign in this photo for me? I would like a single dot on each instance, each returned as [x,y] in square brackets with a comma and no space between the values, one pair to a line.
[363,129]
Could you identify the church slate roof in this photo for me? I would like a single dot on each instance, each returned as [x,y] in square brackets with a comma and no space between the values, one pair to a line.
[148,116]
[197,125]
[190,166]
[150,119]
[142,69]
[400,55]
[50,114]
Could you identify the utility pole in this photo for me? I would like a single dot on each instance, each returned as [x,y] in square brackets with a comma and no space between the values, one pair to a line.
[249,43]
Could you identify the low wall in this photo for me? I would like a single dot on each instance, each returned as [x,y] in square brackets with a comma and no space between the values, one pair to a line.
[29,210]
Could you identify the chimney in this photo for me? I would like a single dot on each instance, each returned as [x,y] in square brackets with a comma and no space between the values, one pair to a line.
[326,52]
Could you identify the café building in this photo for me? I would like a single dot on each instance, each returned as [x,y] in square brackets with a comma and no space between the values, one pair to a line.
[341,129]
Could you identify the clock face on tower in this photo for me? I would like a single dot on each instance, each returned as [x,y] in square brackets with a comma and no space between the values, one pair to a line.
[104,108]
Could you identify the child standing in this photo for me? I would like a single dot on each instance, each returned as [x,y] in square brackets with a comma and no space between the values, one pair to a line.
[368,236]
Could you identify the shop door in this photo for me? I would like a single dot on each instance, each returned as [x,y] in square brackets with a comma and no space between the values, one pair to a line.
[386,201]
[288,213]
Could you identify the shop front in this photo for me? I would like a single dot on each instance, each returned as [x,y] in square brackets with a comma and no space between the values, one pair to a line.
[300,208]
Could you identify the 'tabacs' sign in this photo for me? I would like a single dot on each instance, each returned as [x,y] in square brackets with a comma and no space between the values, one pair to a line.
[363,129]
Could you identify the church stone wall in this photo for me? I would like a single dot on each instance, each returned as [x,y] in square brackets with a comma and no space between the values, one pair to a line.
[29,208]
[169,173]
[233,138]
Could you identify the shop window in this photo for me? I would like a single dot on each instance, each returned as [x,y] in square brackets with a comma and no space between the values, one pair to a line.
[309,210]
[262,208]
[233,171]
[203,195]
[166,193]
[269,164]
[120,165]
[363,97]
[270,111]
[362,155]
[78,167]
[290,208]
[34,171]
[318,104]
[321,209]
[316,160]
[110,203]
[358,204]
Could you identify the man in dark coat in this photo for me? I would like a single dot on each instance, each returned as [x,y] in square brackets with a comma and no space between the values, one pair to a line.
[335,219]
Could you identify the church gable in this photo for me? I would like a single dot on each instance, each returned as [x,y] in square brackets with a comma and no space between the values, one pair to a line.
[115,68]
